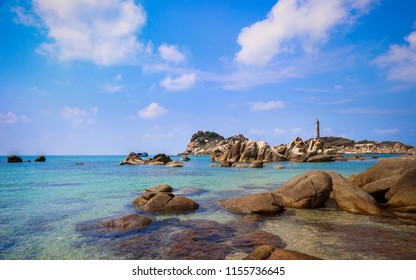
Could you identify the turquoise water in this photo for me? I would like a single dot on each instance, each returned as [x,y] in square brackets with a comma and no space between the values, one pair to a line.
[41,204]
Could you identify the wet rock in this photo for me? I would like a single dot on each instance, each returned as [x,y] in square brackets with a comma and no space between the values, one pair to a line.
[185,159]
[308,190]
[40,159]
[279,167]
[175,164]
[256,164]
[128,222]
[14,159]
[256,238]
[351,198]
[161,199]
[132,159]
[240,165]
[262,204]
[266,252]
[226,164]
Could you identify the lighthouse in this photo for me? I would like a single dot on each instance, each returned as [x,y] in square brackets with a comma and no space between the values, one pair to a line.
[317,129]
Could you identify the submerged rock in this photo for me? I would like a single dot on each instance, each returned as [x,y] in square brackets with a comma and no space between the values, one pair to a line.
[267,252]
[175,164]
[128,222]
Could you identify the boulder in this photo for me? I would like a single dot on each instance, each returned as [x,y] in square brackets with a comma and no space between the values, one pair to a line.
[261,203]
[161,158]
[226,164]
[351,198]
[14,159]
[256,164]
[240,165]
[161,199]
[308,190]
[266,252]
[175,164]
[40,159]
[185,159]
[379,188]
[279,167]
[385,168]
[320,158]
[403,193]
[128,222]
[132,159]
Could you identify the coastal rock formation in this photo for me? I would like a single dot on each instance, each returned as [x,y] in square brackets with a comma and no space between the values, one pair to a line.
[14,159]
[351,198]
[266,252]
[161,199]
[40,159]
[308,190]
[134,159]
[391,181]
[261,203]
[175,164]
[202,143]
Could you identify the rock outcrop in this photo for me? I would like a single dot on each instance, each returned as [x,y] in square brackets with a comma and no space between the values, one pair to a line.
[134,159]
[261,203]
[129,222]
[309,190]
[14,159]
[40,159]
[202,143]
[391,181]
[161,199]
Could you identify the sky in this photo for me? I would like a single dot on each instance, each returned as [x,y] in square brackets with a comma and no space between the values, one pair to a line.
[116,76]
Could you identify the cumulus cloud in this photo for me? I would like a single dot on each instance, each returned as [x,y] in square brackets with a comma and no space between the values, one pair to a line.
[266,106]
[103,32]
[293,23]
[171,53]
[12,118]
[386,131]
[400,60]
[152,111]
[78,117]
[25,17]
[183,82]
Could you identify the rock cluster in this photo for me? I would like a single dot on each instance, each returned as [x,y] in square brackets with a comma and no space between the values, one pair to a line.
[392,182]
[15,159]
[309,190]
[159,159]
[161,199]
[202,143]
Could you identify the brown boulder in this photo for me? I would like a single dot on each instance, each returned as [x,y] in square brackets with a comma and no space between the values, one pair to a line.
[379,188]
[308,190]
[14,159]
[40,159]
[320,158]
[403,193]
[160,188]
[267,252]
[256,164]
[132,159]
[261,203]
[351,198]
[175,164]
[385,168]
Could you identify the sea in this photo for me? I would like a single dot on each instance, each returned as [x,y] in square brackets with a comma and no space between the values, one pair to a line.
[50,211]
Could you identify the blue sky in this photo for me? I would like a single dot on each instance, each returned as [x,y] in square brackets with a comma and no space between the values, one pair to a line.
[115,76]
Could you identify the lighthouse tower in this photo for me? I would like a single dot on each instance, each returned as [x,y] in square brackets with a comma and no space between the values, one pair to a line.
[317,129]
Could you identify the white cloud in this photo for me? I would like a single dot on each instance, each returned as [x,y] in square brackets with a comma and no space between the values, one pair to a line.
[78,117]
[279,131]
[110,88]
[400,60]
[171,53]
[291,23]
[183,82]
[103,32]
[152,111]
[387,131]
[12,118]
[25,17]
[265,106]
[295,131]
[257,131]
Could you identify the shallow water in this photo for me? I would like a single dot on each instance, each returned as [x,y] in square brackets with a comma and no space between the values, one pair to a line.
[44,205]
